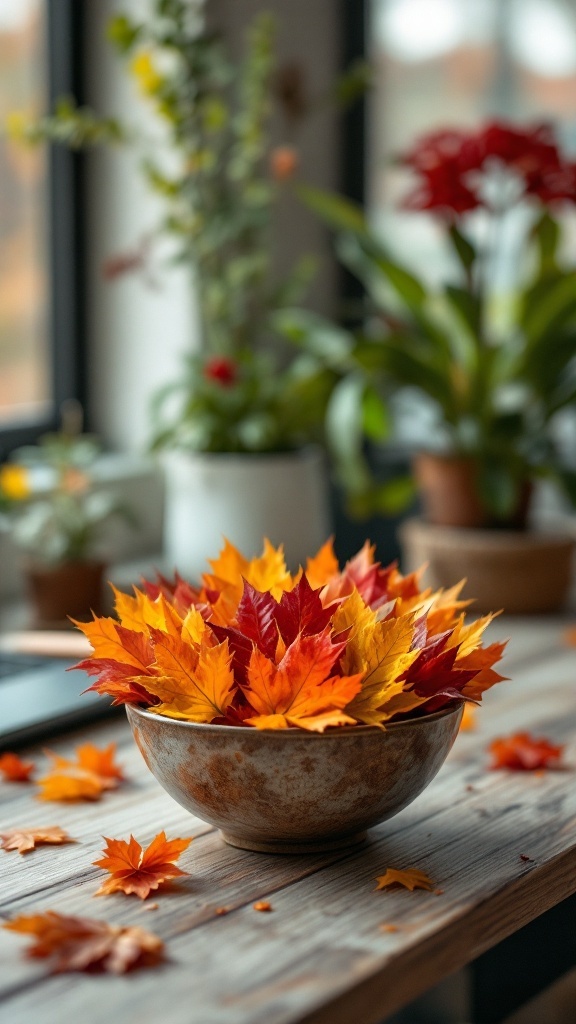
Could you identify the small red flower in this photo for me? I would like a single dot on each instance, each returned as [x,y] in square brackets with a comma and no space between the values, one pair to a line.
[221,370]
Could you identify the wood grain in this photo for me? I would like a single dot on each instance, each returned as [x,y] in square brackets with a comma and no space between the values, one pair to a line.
[320,956]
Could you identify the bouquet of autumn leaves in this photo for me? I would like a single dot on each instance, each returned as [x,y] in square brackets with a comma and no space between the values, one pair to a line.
[255,646]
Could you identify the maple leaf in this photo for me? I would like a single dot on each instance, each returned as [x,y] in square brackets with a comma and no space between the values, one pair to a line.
[300,690]
[82,943]
[383,652]
[14,769]
[266,573]
[113,641]
[323,566]
[195,684]
[256,619]
[138,871]
[85,778]
[411,879]
[26,839]
[300,611]
[523,752]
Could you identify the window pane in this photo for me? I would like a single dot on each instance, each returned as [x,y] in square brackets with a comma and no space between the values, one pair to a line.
[25,358]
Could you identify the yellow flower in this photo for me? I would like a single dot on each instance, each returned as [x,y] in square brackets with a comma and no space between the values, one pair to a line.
[145,73]
[16,125]
[14,482]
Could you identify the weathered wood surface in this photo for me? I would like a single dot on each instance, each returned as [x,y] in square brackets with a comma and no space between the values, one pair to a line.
[321,955]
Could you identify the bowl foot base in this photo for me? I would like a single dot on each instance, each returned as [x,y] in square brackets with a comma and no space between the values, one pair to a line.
[316,846]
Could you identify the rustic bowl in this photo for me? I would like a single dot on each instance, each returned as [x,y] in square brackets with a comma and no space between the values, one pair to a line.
[292,791]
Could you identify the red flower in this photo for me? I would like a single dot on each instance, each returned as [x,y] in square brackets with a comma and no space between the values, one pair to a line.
[221,370]
[450,163]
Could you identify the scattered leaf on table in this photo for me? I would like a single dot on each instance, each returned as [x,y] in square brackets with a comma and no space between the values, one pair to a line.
[523,752]
[388,927]
[26,839]
[93,771]
[262,905]
[81,943]
[14,769]
[138,871]
[411,879]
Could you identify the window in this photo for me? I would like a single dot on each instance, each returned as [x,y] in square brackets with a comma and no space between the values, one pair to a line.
[40,361]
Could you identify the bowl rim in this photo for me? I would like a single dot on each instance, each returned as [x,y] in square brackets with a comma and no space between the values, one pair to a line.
[290,734]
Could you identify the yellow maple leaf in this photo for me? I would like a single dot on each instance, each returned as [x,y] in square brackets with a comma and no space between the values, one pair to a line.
[267,572]
[195,684]
[411,879]
[195,630]
[353,614]
[382,651]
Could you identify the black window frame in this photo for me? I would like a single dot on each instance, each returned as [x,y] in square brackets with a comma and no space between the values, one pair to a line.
[65,248]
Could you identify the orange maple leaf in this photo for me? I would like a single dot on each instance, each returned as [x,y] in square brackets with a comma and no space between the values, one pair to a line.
[26,839]
[411,879]
[14,769]
[300,690]
[138,871]
[81,943]
[86,778]
[523,752]
[195,683]
[323,566]
[268,572]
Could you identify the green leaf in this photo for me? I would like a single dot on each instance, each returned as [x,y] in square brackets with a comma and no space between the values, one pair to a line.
[345,433]
[467,307]
[338,213]
[546,233]
[122,32]
[463,248]
[553,304]
[351,85]
[498,488]
[376,421]
[322,338]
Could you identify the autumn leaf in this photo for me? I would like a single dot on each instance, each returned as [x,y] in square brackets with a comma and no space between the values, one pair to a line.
[26,839]
[85,778]
[195,684]
[256,619]
[411,879]
[14,769]
[300,690]
[523,752]
[383,652]
[323,566]
[300,611]
[138,871]
[263,906]
[82,943]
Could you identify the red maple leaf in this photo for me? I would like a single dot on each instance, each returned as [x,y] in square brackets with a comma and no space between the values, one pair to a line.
[523,752]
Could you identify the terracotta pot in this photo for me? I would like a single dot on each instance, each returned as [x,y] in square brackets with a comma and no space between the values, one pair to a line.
[518,571]
[70,589]
[449,492]
[290,791]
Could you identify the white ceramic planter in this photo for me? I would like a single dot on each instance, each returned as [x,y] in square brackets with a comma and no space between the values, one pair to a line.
[244,498]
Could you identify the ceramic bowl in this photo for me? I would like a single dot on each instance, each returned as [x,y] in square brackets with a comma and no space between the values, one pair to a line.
[292,791]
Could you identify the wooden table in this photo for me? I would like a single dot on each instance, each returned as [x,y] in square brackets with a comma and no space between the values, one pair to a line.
[321,955]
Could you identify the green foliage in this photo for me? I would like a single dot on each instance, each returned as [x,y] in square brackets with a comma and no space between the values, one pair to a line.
[496,399]
[217,181]
[61,516]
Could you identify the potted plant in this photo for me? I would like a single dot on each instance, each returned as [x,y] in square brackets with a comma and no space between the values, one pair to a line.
[240,421]
[494,367]
[58,519]
[292,711]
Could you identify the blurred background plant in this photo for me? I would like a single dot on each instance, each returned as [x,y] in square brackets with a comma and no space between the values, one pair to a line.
[49,502]
[220,178]
[490,366]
